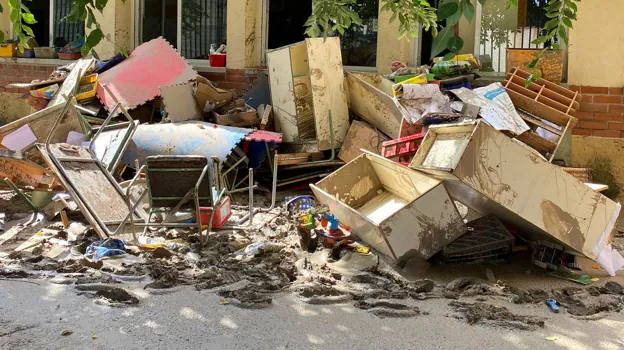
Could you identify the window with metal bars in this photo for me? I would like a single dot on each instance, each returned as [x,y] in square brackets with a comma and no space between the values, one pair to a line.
[200,24]
[203,24]
[64,31]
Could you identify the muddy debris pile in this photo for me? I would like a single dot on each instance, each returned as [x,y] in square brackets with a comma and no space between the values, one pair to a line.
[499,316]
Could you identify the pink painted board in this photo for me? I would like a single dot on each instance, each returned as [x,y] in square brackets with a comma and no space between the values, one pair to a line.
[137,79]
[265,136]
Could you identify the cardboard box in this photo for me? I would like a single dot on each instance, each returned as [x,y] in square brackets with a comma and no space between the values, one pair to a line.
[207,92]
[400,212]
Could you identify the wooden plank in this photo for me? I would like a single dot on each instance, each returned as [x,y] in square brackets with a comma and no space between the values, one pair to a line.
[372,104]
[552,86]
[361,136]
[548,93]
[537,142]
[327,77]
[537,122]
[297,158]
[597,187]
[26,174]
[554,153]
[283,94]
[81,67]
[541,110]
[538,96]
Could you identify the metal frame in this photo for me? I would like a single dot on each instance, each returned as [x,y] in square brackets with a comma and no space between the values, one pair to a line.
[102,227]
[192,193]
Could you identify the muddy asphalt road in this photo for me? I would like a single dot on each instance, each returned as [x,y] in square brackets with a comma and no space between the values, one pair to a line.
[35,316]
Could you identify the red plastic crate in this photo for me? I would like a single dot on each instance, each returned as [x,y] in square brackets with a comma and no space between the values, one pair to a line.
[221,216]
[401,147]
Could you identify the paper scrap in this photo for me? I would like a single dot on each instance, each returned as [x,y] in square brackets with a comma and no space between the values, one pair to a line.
[75,138]
[19,139]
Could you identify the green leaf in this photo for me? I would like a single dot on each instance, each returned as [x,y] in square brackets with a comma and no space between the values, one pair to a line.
[91,19]
[1,36]
[440,41]
[93,39]
[567,22]
[84,50]
[552,6]
[15,17]
[449,56]
[28,30]
[29,18]
[24,8]
[1,9]
[482,2]
[454,18]
[100,4]
[555,47]
[540,40]
[572,5]
[455,44]
[469,11]
[14,4]
[563,35]
[447,10]
[568,13]
[534,63]
[551,24]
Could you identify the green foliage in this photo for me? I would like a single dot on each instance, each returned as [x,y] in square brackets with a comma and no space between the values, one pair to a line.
[330,16]
[21,16]
[602,173]
[335,16]
[561,13]
[411,13]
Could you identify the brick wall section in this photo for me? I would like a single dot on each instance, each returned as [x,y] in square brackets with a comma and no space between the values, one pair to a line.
[22,73]
[601,111]
[239,80]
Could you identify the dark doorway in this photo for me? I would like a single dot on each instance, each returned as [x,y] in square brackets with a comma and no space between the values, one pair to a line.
[41,10]
[286,20]
[359,43]
[427,39]
[160,18]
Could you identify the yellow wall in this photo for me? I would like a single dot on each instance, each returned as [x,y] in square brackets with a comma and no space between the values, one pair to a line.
[389,47]
[116,23]
[597,44]
[467,33]
[12,107]
[5,22]
[586,148]
[243,33]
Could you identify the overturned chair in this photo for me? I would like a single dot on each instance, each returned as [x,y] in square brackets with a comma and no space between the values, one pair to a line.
[178,184]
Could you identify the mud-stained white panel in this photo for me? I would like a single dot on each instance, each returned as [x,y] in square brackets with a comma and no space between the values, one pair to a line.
[392,223]
[425,226]
[497,175]
[299,59]
[372,104]
[446,150]
[282,94]
[327,77]
[382,206]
